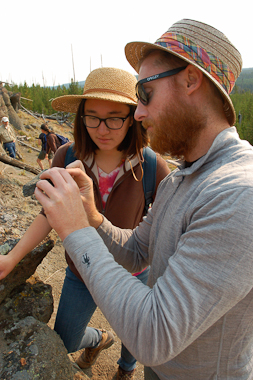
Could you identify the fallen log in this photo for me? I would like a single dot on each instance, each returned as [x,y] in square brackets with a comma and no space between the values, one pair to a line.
[30,113]
[13,162]
[68,124]
[28,146]
[60,117]
[10,84]
[30,100]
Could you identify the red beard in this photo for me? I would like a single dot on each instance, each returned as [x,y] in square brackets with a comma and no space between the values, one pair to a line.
[176,130]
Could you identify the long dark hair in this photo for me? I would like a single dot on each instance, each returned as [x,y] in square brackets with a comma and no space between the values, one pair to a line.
[44,127]
[135,139]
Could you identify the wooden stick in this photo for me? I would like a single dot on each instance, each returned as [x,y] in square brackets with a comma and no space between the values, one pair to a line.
[13,162]
[28,146]
[6,83]
[29,112]
[21,97]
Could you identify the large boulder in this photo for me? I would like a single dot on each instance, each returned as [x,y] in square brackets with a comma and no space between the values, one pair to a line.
[21,293]
[33,298]
[15,100]
[3,108]
[11,114]
[30,350]
[25,267]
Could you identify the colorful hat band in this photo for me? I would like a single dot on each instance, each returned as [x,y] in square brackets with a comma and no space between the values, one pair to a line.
[109,91]
[213,65]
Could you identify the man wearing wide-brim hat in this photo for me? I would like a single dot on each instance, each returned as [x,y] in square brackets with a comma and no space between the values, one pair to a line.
[194,319]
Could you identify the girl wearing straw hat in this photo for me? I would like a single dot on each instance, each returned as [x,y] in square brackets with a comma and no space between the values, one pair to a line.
[110,143]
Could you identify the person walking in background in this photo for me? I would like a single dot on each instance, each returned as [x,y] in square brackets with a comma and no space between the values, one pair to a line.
[112,147]
[194,318]
[8,137]
[42,141]
[53,142]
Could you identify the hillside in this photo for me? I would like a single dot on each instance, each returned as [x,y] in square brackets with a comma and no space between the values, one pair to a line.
[243,83]
[245,80]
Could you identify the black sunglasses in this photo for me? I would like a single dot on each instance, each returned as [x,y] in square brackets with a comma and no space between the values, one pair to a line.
[141,94]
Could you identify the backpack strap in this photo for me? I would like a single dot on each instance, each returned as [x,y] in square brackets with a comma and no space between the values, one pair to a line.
[70,155]
[149,175]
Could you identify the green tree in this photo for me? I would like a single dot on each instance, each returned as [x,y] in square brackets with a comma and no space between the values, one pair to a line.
[243,103]
[74,88]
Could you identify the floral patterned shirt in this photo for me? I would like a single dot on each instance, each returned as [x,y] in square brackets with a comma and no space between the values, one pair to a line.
[106,181]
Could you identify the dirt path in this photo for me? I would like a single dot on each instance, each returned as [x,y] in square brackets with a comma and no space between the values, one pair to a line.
[20,212]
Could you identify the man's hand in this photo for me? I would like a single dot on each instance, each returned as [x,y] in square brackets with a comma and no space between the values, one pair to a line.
[62,202]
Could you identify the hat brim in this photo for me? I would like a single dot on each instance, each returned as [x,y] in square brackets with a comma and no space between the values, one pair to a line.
[70,103]
[137,50]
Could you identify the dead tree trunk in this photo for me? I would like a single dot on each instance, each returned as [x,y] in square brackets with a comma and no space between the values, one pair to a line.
[13,162]
[28,146]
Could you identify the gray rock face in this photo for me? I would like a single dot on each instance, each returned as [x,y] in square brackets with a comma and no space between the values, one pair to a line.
[33,298]
[24,269]
[6,109]
[30,350]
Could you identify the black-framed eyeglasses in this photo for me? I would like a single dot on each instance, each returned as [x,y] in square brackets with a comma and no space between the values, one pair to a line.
[111,122]
[142,95]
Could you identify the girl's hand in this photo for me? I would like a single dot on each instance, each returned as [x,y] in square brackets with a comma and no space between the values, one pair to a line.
[7,264]
[85,184]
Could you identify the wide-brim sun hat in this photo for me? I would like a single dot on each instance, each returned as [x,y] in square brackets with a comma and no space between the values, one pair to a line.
[202,46]
[105,83]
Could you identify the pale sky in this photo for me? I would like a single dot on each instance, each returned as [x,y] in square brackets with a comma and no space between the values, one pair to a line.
[37,38]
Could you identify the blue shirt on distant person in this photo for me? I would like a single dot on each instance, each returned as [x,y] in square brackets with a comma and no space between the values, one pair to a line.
[43,139]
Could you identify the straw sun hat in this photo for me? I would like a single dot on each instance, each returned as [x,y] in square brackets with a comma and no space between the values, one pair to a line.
[105,83]
[202,46]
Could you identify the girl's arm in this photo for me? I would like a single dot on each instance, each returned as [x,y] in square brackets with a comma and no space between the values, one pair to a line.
[36,233]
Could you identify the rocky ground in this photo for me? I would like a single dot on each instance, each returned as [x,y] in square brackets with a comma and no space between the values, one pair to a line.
[17,213]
